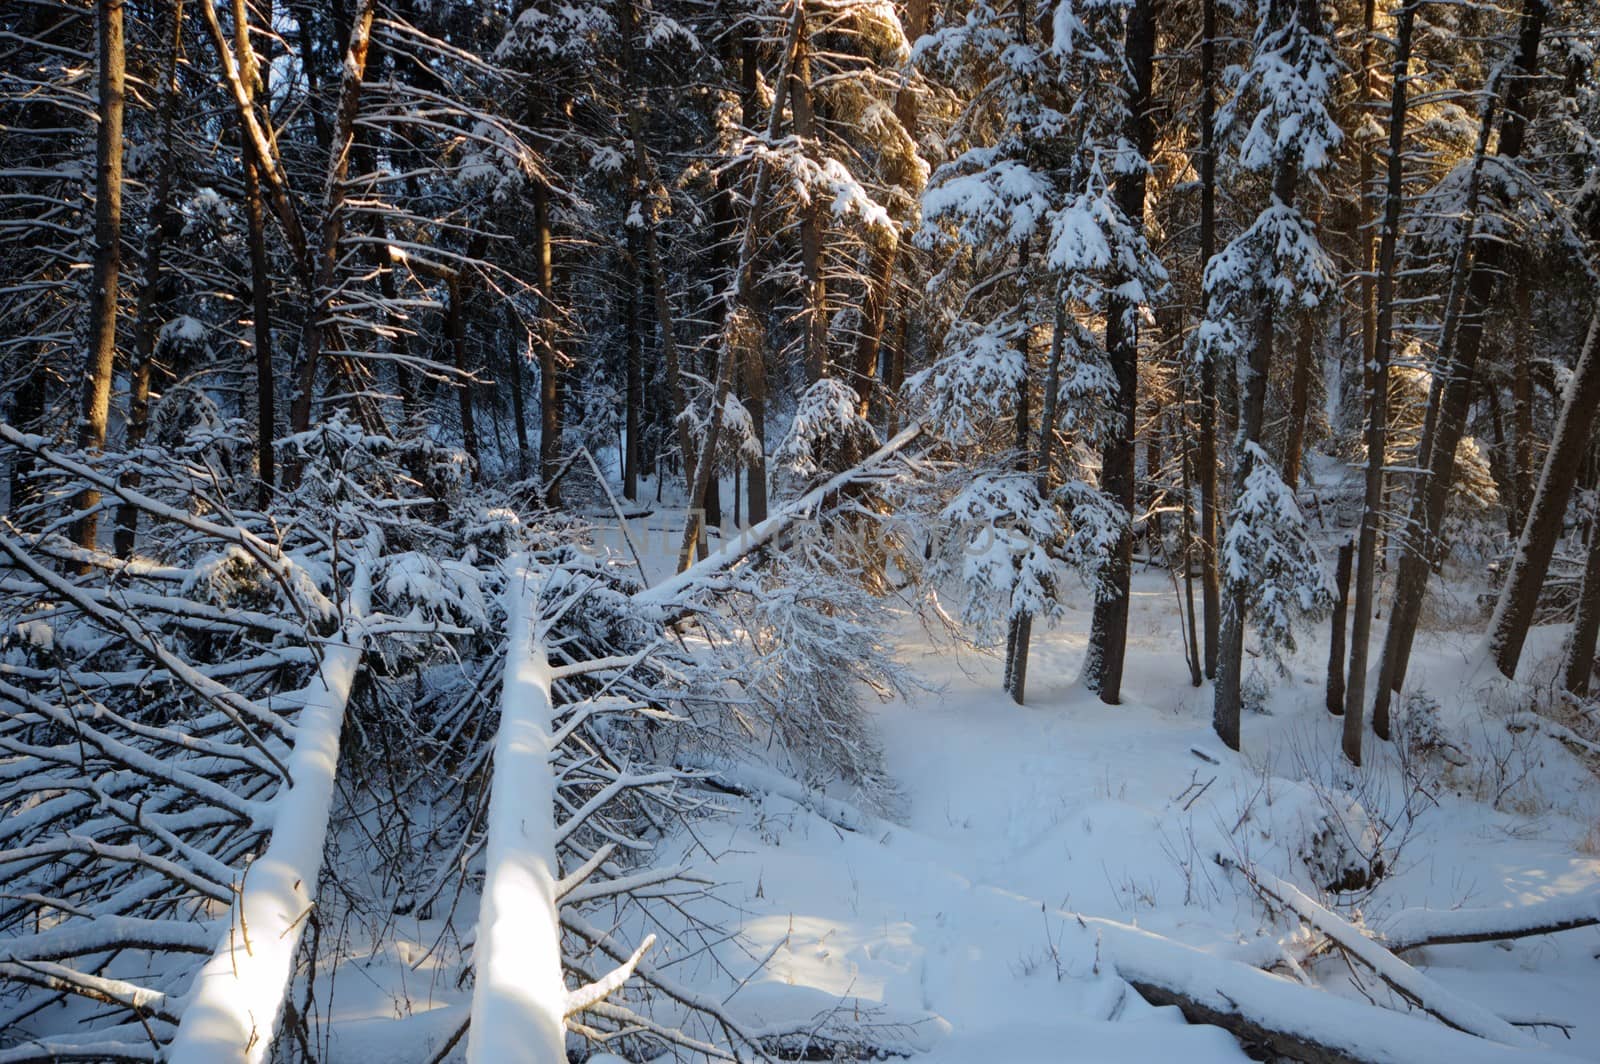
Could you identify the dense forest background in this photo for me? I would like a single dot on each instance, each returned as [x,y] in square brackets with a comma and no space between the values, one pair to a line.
[319,319]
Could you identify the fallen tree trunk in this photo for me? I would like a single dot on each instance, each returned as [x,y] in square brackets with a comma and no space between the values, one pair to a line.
[1290,1019]
[1439,1002]
[1411,929]
[518,1003]
[239,993]
[675,589]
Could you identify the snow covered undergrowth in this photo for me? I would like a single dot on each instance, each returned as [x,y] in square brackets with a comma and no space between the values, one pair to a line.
[957,925]
[949,930]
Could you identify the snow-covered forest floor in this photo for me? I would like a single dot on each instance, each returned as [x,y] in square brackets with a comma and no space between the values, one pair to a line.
[945,924]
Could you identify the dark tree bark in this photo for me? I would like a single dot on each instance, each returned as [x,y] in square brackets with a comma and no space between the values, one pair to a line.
[634,399]
[1508,629]
[1108,632]
[1206,459]
[1341,618]
[107,255]
[1299,399]
[1578,668]
[1378,395]
[516,367]
[456,332]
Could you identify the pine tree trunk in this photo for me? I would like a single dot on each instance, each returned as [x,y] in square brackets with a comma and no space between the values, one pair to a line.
[145,330]
[1299,400]
[549,364]
[107,256]
[1364,178]
[755,391]
[1021,631]
[1378,395]
[1021,626]
[1108,632]
[1462,341]
[1252,392]
[1578,667]
[1508,629]
[812,277]
[634,399]
[516,365]
[1341,619]
[261,312]
[456,331]
[1210,582]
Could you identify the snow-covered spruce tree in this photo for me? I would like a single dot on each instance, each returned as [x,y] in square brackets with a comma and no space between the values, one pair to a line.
[1275,263]
[1033,217]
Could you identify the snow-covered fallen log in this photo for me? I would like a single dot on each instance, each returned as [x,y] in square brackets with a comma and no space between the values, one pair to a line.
[1411,984]
[238,995]
[675,589]
[747,779]
[1411,929]
[1289,1018]
[518,1002]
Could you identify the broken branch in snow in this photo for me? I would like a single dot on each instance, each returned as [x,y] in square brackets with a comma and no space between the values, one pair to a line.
[1405,980]
[1292,1020]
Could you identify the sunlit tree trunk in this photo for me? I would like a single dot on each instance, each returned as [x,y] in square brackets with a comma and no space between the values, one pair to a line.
[145,327]
[107,255]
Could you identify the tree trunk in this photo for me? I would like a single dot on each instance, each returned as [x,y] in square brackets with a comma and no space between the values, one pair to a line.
[812,276]
[261,313]
[1299,400]
[1462,341]
[755,392]
[456,331]
[1252,391]
[517,367]
[1378,397]
[885,250]
[1210,582]
[1108,632]
[107,256]
[1578,667]
[1508,629]
[1341,619]
[1021,626]
[1365,175]
[1021,630]
[1522,395]
[634,399]
[549,364]
[145,331]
